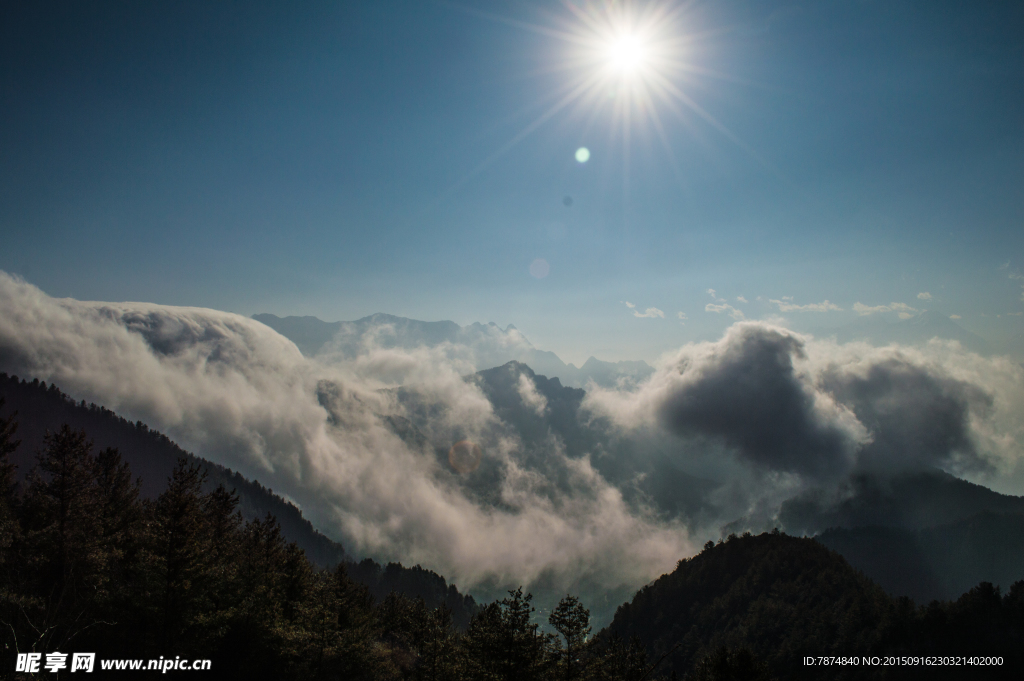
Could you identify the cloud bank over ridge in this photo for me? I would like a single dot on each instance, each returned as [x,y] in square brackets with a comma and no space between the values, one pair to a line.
[237,392]
[721,430]
[790,404]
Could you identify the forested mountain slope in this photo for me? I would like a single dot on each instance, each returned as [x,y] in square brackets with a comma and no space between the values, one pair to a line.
[152,456]
[936,563]
[913,500]
[784,598]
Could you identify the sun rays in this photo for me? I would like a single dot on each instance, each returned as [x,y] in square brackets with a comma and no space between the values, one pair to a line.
[624,63]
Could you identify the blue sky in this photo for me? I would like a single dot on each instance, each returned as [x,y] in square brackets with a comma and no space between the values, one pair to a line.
[341,159]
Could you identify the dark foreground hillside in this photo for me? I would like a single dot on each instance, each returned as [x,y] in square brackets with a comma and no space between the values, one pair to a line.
[91,562]
[782,598]
[936,563]
[152,457]
[88,566]
[924,534]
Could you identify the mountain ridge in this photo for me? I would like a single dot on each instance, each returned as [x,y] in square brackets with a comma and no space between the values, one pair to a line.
[40,408]
[783,599]
[492,346]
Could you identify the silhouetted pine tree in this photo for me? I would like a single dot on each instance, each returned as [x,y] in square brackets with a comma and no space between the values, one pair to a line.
[63,553]
[504,645]
[10,596]
[180,564]
[316,639]
[223,542]
[401,622]
[572,621]
[621,660]
[359,656]
[442,656]
[8,522]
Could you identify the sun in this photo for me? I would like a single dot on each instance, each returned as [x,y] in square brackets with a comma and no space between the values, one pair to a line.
[627,54]
[635,51]
[630,64]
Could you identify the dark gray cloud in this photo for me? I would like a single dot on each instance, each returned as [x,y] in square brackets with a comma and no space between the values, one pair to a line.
[805,417]
[751,398]
[918,416]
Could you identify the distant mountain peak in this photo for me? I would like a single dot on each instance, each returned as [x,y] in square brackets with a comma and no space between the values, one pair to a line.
[491,345]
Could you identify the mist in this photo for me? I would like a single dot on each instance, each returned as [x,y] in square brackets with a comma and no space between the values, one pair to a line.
[234,391]
[597,492]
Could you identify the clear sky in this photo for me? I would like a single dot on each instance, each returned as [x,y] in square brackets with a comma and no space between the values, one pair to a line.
[341,159]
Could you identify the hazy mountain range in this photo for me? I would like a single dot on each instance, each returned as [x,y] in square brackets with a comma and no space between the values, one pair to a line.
[489,345]
[594,492]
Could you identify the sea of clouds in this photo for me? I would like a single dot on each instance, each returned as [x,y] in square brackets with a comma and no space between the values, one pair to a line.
[762,415]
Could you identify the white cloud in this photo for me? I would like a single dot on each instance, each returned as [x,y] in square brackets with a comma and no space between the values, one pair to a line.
[236,392]
[862,309]
[682,317]
[955,316]
[527,390]
[904,310]
[719,308]
[741,299]
[650,312]
[924,295]
[823,306]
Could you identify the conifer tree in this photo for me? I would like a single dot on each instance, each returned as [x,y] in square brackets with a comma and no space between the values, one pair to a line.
[316,637]
[624,661]
[572,621]
[224,545]
[358,657]
[120,511]
[122,537]
[9,532]
[504,644]
[442,657]
[64,553]
[8,445]
[179,536]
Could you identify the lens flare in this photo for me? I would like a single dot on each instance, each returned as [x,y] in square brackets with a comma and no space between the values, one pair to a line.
[464,456]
